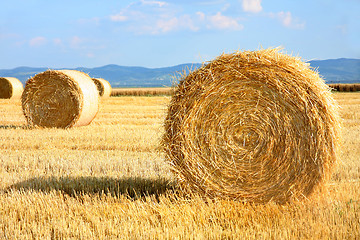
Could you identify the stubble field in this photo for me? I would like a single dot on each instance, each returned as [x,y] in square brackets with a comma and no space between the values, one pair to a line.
[109,180]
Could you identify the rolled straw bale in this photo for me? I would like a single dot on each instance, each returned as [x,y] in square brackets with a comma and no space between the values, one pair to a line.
[10,87]
[62,99]
[103,87]
[257,126]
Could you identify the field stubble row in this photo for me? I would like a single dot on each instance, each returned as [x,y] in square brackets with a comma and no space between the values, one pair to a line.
[168,91]
[109,180]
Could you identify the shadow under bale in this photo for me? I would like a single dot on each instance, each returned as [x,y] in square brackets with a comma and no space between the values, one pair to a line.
[10,126]
[132,187]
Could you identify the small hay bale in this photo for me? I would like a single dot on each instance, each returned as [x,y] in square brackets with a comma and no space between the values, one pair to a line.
[103,87]
[10,87]
[257,126]
[61,99]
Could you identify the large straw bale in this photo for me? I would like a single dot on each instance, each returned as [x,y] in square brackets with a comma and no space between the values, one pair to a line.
[103,86]
[10,87]
[256,126]
[62,99]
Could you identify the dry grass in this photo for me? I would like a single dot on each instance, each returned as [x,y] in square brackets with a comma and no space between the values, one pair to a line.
[60,98]
[10,87]
[254,125]
[168,91]
[103,87]
[345,87]
[107,180]
[161,91]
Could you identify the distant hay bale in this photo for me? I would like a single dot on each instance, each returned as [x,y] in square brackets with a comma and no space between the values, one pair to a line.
[10,87]
[61,99]
[256,126]
[103,87]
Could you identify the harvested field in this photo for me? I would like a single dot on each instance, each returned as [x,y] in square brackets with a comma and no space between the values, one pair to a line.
[346,87]
[108,180]
[165,91]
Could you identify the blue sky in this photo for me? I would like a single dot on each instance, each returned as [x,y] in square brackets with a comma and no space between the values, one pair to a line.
[152,33]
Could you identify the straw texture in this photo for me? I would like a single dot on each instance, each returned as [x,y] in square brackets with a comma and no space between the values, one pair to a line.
[62,99]
[257,126]
[103,87]
[10,87]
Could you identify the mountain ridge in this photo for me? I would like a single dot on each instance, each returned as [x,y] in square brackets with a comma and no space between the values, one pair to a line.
[341,70]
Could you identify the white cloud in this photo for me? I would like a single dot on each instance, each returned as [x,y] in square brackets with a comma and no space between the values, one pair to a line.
[37,41]
[157,17]
[201,16]
[253,6]
[167,25]
[225,7]
[287,20]
[159,3]
[193,23]
[220,21]
[118,17]
[188,23]
[133,12]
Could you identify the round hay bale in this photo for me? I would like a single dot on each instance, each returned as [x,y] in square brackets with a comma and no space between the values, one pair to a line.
[10,87]
[103,87]
[257,126]
[61,99]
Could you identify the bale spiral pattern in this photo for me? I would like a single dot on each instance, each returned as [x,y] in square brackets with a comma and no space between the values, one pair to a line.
[60,98]
[257,126]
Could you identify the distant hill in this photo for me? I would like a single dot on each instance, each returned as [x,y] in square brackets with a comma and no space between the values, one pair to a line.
[118,76]
[333,71]
[342,70]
